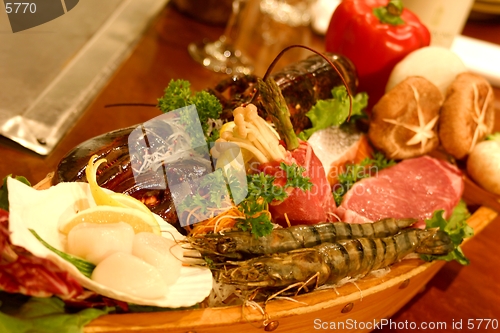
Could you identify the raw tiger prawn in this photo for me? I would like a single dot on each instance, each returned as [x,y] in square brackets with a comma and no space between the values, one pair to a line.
[328,263]
[241,244]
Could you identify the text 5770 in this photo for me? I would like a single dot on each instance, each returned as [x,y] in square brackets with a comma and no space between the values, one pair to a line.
[20,7]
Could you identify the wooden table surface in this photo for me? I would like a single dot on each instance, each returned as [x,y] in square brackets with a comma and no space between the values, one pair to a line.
[455,294]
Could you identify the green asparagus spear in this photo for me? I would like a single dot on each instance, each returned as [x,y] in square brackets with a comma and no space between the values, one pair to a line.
[276,107]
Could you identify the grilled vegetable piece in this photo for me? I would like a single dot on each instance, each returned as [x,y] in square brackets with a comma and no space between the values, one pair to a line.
[275,106]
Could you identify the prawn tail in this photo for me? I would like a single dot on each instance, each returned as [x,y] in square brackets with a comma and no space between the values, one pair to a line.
[434,242]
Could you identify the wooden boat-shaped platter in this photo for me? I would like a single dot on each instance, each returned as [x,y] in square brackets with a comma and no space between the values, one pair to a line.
[366,302]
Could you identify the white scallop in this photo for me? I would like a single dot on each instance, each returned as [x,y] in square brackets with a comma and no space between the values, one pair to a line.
[94,242]
[164,254]
[41,210]
[129,274]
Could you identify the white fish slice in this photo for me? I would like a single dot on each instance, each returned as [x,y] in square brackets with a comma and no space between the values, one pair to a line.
[333,143]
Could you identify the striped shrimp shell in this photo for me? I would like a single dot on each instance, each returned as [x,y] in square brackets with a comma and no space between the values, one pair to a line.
[328,263]
[240,244]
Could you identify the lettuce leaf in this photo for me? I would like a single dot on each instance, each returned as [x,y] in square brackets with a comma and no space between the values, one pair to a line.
[494,136]
[355,172]
[334,111]
[46,315]
[456,227]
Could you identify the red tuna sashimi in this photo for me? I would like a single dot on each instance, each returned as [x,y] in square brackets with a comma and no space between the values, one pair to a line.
[309,207]
[414,188]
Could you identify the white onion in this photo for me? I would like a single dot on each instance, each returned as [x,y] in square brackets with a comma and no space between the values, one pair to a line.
[483,165]
[437,64]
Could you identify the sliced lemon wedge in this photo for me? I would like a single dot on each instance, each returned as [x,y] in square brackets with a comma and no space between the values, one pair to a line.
[103,198]
[137,219]
[227,127]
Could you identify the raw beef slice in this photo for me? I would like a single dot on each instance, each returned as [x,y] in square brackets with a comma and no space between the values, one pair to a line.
[414,188]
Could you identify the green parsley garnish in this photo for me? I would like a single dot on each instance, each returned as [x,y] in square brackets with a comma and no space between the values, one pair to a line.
[210,191]
[262,190]
[178,94]
[456,227]
[494,136]
[256,219]
[356,172]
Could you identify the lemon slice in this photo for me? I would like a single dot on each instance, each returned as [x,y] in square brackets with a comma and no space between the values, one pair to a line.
[129,202]
[103,198]
[100,196]
[227,127]
[137,219]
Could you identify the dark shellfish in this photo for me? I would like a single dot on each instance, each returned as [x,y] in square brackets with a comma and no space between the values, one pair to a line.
[118,174]
[301,83]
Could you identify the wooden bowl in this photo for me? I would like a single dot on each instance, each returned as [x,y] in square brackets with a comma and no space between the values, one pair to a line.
[357,306]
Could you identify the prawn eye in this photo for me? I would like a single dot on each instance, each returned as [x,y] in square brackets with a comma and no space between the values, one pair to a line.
[253,274]
[222,248]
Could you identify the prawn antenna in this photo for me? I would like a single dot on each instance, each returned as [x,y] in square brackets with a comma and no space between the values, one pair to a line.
[129,104]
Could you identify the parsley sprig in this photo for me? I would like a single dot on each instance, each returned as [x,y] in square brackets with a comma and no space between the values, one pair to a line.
[262,190]
[209,193]
[356,172]
[178,94]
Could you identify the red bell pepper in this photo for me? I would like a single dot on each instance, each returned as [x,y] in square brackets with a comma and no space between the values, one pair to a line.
[375,35]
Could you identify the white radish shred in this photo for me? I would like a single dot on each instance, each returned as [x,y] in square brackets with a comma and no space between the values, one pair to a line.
[129,274]
[176,146]
[94,242]
[162,253]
